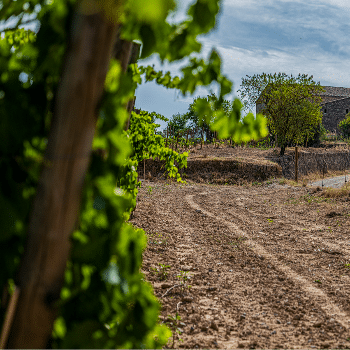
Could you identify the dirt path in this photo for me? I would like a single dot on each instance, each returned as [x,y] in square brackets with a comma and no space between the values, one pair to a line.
[267,264]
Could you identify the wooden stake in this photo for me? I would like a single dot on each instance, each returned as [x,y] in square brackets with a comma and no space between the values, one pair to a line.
[202,138]
[166,140]
[296,163]
[10,312]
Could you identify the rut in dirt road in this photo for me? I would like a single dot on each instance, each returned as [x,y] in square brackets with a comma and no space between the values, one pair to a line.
[327,305]
[252,280]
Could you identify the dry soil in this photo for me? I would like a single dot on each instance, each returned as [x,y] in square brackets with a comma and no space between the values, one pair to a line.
[264,266]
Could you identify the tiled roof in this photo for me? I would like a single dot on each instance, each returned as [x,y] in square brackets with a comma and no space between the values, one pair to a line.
[327,99]
[332,93]
[336,91]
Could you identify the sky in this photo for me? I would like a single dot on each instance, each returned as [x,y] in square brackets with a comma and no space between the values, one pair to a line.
[254,36]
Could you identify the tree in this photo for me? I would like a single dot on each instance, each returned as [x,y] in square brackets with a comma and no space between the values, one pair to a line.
[344,126]
[291,105]
[178,123]
[206,121]
[70,261]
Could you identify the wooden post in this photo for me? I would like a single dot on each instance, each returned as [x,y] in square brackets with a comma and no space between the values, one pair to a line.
[127,52]
[56,206]
[296,163]
[144,169]
[187,138]
[323,174]
[166,140]
[172,135]
[202,137]
[177,140]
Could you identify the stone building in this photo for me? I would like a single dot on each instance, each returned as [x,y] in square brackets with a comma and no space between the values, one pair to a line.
[335,105]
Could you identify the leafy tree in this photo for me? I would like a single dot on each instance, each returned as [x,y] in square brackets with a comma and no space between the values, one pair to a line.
[344,126]
[153,115]
[291,105]
[178,122]
[70,262]
[207,121]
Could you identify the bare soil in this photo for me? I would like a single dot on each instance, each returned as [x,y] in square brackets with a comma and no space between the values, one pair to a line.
[248,266]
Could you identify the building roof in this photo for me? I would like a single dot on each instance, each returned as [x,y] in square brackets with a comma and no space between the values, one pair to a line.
[331,93]
[335,91]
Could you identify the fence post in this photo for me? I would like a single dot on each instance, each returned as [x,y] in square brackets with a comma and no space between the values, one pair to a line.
[296,163]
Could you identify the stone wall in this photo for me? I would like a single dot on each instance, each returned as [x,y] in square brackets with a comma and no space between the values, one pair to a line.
[239,170]
[335,112]
[217,170]
[310,162]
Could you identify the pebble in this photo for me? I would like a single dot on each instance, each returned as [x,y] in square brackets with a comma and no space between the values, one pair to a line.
[243,345]
[186,268]
[273,332]
[278,321]
[214,326]
[187,299]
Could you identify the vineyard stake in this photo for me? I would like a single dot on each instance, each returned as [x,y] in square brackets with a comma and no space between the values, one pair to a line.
[322,174]
[202,137]
[166,137]
[172,138]
[345,172]
[296,163]
[144,169]
[9,318]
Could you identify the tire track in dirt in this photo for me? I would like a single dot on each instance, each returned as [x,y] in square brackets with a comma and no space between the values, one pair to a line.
[298,226]
[337,248]
[217,303]
[251,304]
[202,307]
[327,305]
[305,247]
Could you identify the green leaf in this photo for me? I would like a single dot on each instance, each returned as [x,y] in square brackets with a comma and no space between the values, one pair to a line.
[203,13]
[149,40]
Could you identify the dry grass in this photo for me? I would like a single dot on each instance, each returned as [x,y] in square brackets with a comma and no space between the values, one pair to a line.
[337,192]
[318,175]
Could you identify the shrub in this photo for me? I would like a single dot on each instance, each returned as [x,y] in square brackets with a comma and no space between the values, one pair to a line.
[344,126]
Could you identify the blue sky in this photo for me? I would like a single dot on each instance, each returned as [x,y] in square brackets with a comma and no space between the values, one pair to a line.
[255,36]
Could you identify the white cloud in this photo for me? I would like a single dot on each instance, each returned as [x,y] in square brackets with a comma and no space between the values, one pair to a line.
[291,36]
